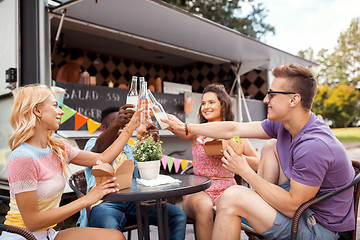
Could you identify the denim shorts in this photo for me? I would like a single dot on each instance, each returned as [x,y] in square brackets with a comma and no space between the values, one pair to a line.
[48,234]
[308,228]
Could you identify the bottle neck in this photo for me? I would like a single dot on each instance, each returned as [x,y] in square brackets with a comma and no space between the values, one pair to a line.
[133,87]
[152,98]
[143,90]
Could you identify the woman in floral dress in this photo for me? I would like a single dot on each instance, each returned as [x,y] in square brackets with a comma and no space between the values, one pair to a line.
[215,106]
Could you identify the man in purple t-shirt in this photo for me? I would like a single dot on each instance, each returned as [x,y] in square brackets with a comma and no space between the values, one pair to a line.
[305,160]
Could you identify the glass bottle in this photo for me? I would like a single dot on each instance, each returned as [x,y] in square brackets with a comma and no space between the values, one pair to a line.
[144,103]
[158,110]
[132,96]
[141,80]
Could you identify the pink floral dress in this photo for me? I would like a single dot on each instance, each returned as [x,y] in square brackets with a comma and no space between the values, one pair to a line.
[211,166]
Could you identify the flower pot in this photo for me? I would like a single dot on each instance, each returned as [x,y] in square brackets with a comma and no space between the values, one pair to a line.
[149,170]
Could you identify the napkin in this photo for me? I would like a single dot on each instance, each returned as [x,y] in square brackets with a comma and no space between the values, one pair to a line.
[160,180]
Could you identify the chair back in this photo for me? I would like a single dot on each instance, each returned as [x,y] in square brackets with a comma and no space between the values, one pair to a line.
[78,183]
[356,165]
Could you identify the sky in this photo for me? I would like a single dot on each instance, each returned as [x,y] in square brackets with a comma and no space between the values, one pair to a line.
[300,24]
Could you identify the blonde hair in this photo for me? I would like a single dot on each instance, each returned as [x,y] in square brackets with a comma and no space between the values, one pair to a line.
[23,120]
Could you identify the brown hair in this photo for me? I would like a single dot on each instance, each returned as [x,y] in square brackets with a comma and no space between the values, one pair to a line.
[225,101]
[300,80]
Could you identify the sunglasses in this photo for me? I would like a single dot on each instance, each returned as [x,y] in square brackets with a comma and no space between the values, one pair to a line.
[271,93]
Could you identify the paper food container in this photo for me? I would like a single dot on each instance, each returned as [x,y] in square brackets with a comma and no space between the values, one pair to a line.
[213,147]
[104,171]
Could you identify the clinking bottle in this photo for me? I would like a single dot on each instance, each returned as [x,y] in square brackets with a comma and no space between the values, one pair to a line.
[132,96]
[144,103]
[158,110]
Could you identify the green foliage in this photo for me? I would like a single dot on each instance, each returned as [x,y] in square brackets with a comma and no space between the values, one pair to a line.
[338,104]
[338,72]
[342,65]
[147,149]
[227,13]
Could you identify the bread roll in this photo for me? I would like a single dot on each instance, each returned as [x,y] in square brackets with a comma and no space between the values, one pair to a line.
[238,147]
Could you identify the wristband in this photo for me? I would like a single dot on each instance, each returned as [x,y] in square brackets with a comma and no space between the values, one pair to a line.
[186,129]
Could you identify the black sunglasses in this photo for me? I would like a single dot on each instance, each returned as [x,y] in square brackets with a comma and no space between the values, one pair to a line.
[271,93]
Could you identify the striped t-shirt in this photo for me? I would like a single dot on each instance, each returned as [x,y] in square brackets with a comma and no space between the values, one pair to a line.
[36,169]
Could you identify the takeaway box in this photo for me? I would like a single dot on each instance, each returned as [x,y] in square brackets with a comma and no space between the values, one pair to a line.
[213,147]
[123,173]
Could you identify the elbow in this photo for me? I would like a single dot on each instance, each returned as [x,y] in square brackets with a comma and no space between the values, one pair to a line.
[291,211]
[32,227]
[289,214]
[33,224]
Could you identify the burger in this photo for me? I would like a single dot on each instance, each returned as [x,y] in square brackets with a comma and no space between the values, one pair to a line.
[235,143]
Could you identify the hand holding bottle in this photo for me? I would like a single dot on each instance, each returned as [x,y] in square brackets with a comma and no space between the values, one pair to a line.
[158,110]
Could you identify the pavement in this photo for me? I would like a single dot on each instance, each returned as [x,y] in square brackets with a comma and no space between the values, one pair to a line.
[353,150]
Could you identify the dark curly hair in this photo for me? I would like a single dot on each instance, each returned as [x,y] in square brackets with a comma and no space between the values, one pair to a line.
[225,101]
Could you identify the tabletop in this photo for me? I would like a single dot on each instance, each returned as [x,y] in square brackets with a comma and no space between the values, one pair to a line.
[137,192]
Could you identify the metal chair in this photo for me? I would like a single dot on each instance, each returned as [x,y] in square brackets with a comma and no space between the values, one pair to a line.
[344,235]
[26,234]
[350,235]
[78,184]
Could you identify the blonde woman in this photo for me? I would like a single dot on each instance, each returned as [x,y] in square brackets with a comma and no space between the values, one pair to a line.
[38,163]
[215,107]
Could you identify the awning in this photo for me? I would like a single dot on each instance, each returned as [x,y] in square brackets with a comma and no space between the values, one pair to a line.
[146,29]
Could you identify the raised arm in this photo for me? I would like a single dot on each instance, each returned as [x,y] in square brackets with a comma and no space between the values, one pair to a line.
[180,134]
[225,129]
[108,136]
[86,158]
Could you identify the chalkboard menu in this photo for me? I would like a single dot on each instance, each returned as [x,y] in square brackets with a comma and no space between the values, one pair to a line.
[90,101]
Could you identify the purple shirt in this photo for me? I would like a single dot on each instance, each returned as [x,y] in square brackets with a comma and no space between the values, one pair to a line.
[316,158]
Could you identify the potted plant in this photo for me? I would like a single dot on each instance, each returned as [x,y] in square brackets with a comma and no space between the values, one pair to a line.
[148,153]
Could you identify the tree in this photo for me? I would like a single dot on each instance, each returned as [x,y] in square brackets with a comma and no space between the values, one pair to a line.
[343,64]
[227,13]
[338,104]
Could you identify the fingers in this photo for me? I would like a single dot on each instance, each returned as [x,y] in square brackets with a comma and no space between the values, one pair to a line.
[231,151]
[225,163]
[110,184]
[124,107]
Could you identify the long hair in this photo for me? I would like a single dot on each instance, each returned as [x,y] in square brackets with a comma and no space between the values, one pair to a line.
[225,101]
[23,120]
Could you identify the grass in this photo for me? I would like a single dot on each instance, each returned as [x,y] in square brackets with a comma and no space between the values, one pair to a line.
[351,134]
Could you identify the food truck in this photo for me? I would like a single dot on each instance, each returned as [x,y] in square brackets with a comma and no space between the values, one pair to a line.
[120,39]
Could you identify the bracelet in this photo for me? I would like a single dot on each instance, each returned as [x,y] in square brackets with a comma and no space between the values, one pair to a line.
[186,129]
